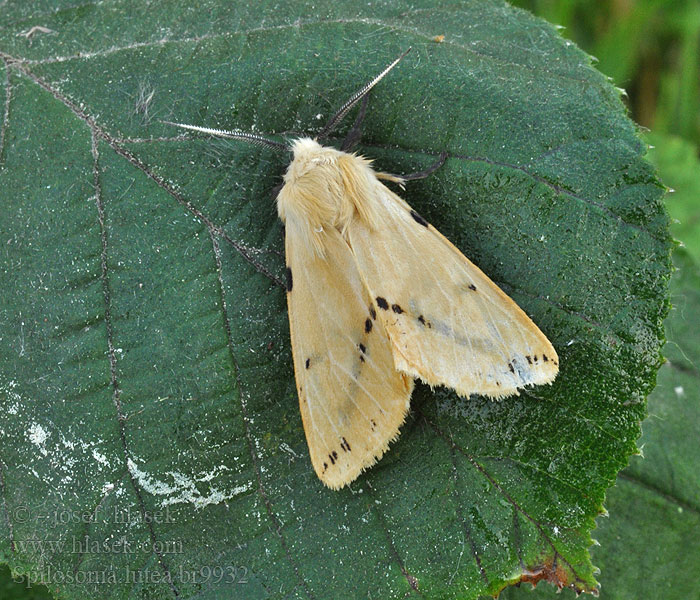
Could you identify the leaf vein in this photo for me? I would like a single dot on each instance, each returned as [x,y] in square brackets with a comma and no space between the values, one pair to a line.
[298,24]
[481,469]
[121,419]
[669,497]
[6,111]
[464,521]
[412,581]
[246,422]
[245,251]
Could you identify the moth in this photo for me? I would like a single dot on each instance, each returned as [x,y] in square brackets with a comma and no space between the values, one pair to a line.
[377,297]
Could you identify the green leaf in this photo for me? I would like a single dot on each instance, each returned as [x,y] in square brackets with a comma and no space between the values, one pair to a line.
[150,420]
[11,589]
[649,546]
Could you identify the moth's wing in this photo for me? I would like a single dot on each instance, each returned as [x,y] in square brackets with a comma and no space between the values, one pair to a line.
[352,399]
[449,324]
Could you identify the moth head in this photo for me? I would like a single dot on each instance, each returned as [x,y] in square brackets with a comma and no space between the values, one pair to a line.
[309,155]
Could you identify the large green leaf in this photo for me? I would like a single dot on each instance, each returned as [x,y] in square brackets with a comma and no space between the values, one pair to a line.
[649,547]
[146,363]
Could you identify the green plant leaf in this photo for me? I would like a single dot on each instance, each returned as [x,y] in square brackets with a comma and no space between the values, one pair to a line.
[649,546]
[151,444]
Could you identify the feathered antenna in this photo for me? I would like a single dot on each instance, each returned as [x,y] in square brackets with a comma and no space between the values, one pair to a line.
[358,95]
[236,135]
[330,126]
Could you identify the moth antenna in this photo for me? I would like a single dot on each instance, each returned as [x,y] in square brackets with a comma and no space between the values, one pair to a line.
[358,95]
[236,135]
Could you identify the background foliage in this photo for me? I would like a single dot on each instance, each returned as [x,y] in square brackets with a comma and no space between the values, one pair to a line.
[651,48]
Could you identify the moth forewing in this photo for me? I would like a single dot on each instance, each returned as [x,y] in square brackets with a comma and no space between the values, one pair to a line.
[352,399]
[448,322]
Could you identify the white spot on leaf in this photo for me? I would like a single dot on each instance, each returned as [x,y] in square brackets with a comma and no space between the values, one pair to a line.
[183,488]
[37,435]
[99,457]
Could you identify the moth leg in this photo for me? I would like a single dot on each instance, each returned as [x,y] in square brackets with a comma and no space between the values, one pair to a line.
[274,192]
[418,174]
[355,133]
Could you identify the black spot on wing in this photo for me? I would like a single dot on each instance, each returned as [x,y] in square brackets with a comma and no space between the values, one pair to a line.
[397,309]
[344,445]
[544,358]
[418,219]
[382,303]
[363,350]
[368,325]
[472,287]
[290,283]
[529,360]
[308,363]
[372,313]
[422,321]
[511,368]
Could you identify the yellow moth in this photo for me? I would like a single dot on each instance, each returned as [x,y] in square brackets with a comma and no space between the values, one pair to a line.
[378,297]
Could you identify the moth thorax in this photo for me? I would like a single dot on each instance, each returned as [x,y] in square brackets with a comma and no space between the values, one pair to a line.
[326,188]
